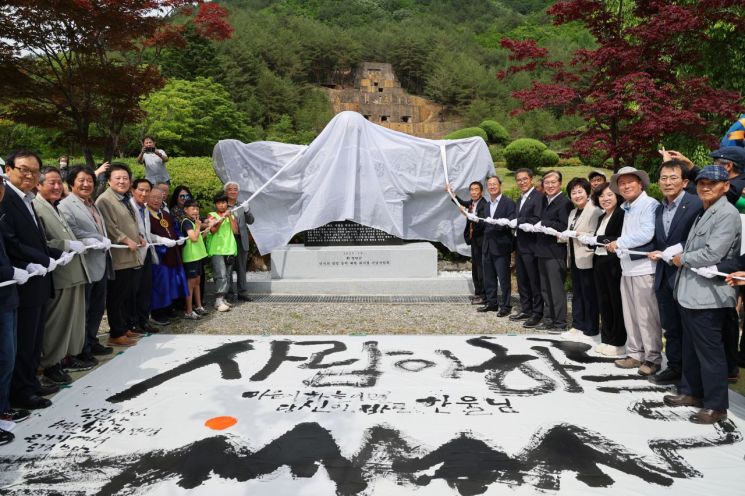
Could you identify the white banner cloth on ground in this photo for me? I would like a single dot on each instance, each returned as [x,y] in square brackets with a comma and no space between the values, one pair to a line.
[355,170]
[368,415]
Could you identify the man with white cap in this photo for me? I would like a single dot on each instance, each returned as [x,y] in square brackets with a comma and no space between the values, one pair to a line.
[640,311]
[706,302]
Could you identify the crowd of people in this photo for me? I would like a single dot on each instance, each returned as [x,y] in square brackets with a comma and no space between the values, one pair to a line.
[78,242]
[639,268]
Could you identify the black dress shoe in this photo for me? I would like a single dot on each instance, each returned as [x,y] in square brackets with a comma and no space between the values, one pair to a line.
[708,416]
[75,364]
[503,313]
[532,322]
[487,308]
[100,350]
[6,437]
[243,297]
[545,326]
[32,402]
[520,316]
[159,321]
[667,376]
[47,389]
[147,329]
[478,301]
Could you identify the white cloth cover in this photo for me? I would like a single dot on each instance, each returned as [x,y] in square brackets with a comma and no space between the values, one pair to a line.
[355,170]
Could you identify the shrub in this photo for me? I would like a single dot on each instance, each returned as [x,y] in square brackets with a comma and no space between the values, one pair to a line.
[496,153]
[549,158]
[495,132]
[570,162]
[526,152]
[467,132]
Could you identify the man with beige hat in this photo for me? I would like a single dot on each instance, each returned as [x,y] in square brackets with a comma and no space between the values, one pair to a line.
[640,311]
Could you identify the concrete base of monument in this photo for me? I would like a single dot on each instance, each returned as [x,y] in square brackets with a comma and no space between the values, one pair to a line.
[444,284]
[409,269]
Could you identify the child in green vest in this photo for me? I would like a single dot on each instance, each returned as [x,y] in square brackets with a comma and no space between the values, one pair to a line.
[222,248]
[193,253]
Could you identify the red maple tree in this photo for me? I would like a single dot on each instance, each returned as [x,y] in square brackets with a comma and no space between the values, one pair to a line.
[641,84]
[82,66]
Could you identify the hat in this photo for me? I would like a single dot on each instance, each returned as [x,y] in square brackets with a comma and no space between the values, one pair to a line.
[713,173]
[732,154]
[596,173]
[623,171]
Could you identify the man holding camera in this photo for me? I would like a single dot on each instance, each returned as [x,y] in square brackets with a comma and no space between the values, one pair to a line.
[154,160]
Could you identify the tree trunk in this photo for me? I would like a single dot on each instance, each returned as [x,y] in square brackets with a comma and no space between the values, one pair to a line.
[88,154]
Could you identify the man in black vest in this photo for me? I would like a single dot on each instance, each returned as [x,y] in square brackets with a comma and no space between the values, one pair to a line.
[528,280]
[26,246]
[474,234]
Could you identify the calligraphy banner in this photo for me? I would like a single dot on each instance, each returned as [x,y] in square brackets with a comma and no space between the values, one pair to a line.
[364,415]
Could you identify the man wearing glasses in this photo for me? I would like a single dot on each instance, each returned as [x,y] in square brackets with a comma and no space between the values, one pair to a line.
[26,246]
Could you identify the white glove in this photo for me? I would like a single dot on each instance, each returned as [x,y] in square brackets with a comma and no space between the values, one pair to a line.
[170,243]
[538,227]
[106,242]
[52,265]
[569,234]
[33,268]
[707,272]
[472,217]
[669,252]
[90,241]
[527,227]
[503,222]
[551,231]
[621,252]
[491,221]
[20,276]
[66,258]
[513,224]
[587,240]
[77,246]
[181,241]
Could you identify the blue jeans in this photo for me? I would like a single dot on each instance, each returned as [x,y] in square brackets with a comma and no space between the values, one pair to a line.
[8,345]
[221,270]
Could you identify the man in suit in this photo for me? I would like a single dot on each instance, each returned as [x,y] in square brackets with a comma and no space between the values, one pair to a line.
[244,218]
[87,224]
[64,331]
[474,235]
[8,312]
[121,226]
[673,220]
[640,311]
[526,264]
[26,246]
[496,247]
[706,302]
[552,254]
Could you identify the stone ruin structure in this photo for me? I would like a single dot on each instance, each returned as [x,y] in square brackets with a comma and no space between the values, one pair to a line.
[378,96]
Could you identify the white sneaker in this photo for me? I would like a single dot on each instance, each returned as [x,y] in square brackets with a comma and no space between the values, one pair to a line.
[591,340]
[221,306]
[570,335]
[612,351]
[192,316]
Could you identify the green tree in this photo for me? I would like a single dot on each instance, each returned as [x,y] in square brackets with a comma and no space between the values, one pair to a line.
[189,117]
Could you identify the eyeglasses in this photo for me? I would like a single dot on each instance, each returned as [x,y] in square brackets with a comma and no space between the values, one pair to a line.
[184,197]
[28,172]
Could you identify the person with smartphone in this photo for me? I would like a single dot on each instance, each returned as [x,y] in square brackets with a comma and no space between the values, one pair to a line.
[154,160]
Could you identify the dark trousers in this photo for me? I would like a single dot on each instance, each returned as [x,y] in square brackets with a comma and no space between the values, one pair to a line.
[497,276]
[704,362]
[584,301]
[8,340]
[118,298]
[730,337]
[477,267]
[672,324]
[29,339]
[553,272]
[141,294]
[239,267]
[607,274]
[95,305]
[529,284]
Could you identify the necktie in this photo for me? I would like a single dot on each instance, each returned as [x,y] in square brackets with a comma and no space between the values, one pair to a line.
[125,200]
[470,224]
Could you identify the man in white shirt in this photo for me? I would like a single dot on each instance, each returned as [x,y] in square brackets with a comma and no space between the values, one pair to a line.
[154,160]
